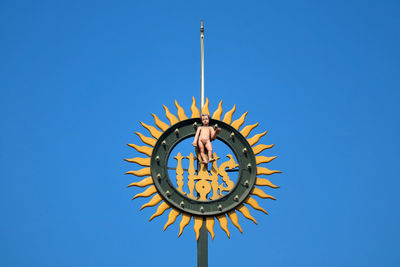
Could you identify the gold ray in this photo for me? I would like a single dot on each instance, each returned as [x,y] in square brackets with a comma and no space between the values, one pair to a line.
[246,213]
[153,131]
[171,117]
[171,217]
[223,222]
[194,109]
[160,124]
[254,204]
[204,109]
[198,222]
[181,112]
[246,130]
[185,221]
[140,173]
[160,210]
[154,201]
[262,170]
[148,192]
[235,220]
[147,140]
[228,116]
[237,123]
[217,114]
[259,148]
[265,182]
[263,159]
[142,149]
[210,226]
[140,161]
[252,141]
[145,182]
[258,192]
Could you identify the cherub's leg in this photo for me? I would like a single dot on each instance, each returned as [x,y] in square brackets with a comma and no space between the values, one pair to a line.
[202,154]
[210,150]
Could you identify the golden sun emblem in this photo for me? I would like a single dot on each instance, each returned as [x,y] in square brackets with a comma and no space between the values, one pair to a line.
[210,193]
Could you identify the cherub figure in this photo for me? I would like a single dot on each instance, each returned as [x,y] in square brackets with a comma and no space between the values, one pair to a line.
[204,135]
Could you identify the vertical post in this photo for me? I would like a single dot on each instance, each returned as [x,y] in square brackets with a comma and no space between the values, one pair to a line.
[202,63]
[202,242]
[202,246]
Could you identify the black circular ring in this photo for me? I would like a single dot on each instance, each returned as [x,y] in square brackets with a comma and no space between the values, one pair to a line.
[231,137]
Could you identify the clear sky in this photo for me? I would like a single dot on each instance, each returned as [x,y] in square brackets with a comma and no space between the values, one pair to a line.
[76,77]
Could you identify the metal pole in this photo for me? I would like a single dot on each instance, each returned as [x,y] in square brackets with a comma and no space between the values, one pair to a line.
[202,242]
[202,246]
[202,64]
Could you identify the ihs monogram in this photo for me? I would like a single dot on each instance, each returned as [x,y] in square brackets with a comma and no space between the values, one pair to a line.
[205,181]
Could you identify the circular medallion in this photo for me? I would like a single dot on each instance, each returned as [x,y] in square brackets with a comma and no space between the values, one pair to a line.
[203,191]
[193,205]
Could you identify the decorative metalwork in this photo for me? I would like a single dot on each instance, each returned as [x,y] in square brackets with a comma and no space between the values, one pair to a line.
[210,193]
[205,183]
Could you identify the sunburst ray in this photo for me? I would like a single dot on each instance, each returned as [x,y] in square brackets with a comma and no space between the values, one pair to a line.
[217,113]
[246,213]
[142,149]
[246,130]
[147,140]
[237,123]
[171,117]
[254,204]
[198,222]
[258,192]
[265,182]
[140,161]
[160,210]
[228,116]
[235,220]
[194,109]
[252,141]
[145,182]
[140,173]
[184,221]
[181,112]
[154,201]
[223,222]
[265,171]
[263,159]
[210,226]
[173,214]
[148,192]
[153,131]
[160,124]
[204,109]
[259,148]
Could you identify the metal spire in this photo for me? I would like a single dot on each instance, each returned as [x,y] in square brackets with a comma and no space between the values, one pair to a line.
[202,242]
[202,64]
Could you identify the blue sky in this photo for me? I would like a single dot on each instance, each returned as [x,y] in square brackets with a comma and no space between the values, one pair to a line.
[76,77]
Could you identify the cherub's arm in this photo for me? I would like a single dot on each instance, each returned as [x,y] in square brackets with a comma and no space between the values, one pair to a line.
[196,138]
[214,133]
